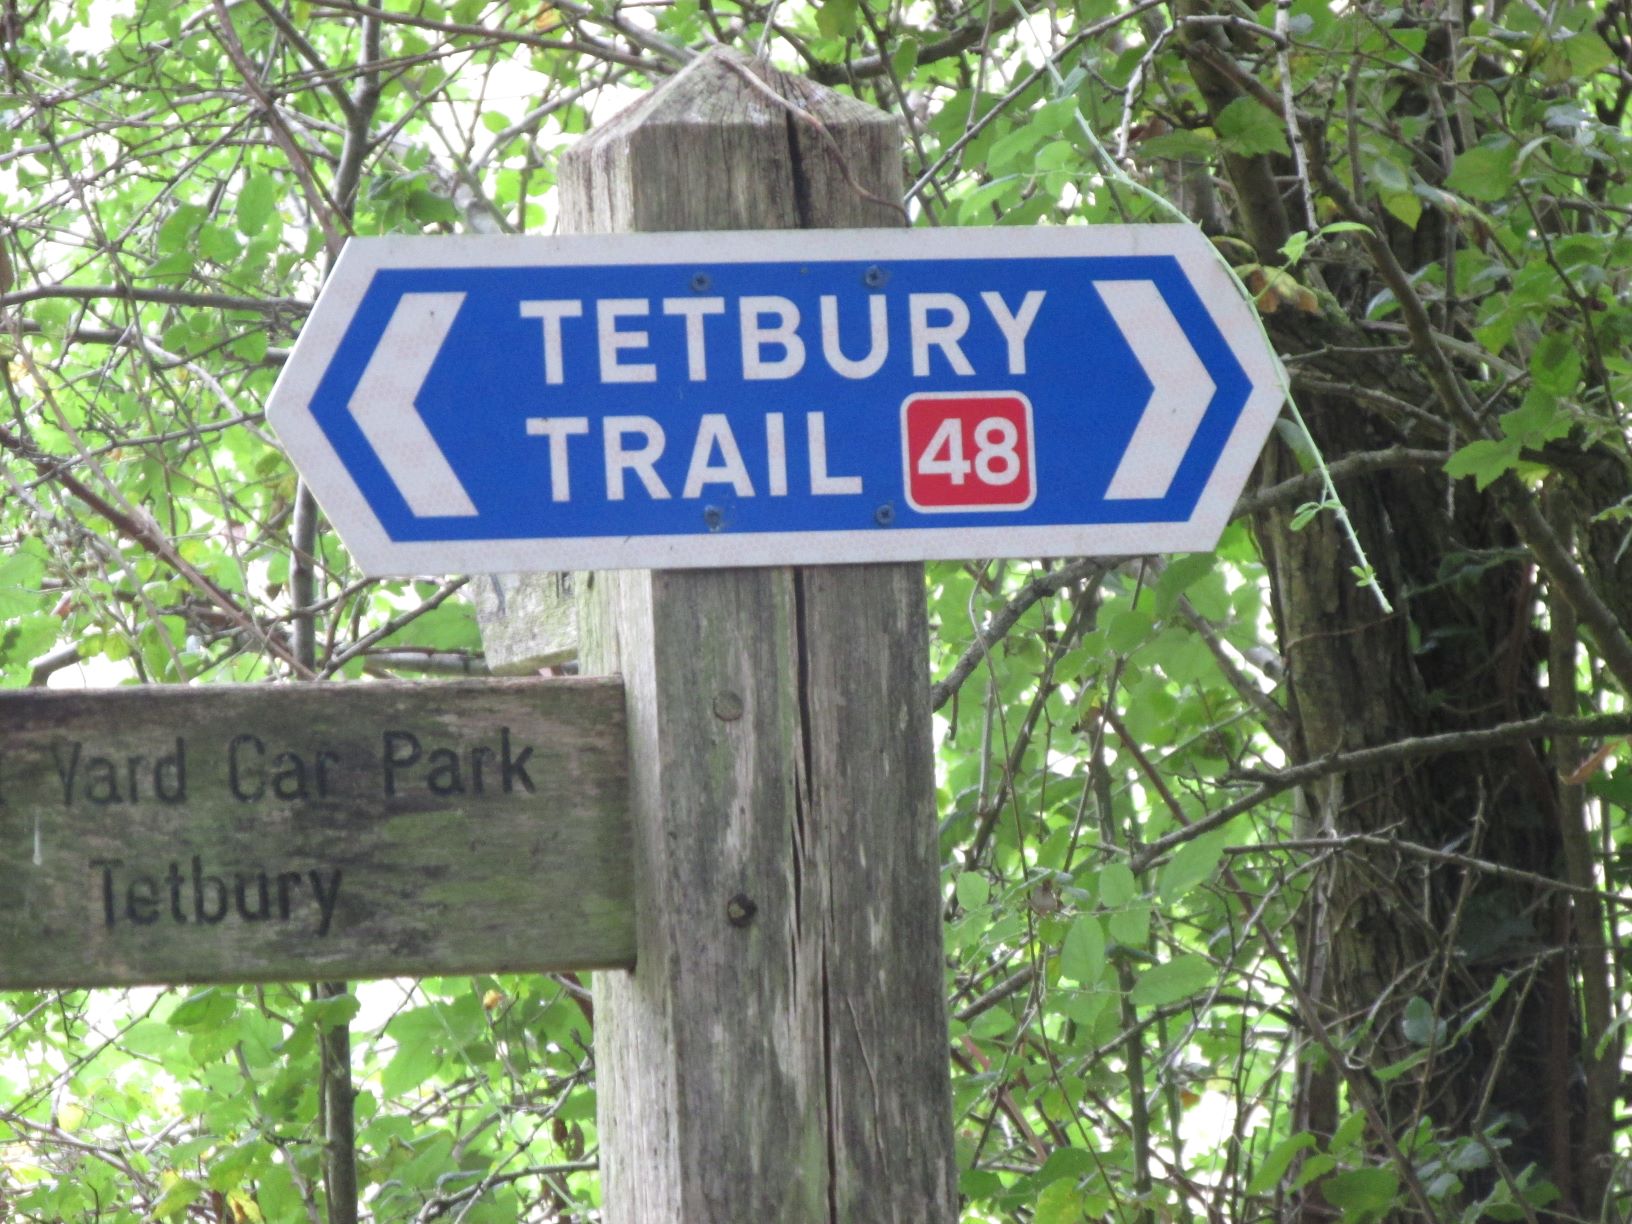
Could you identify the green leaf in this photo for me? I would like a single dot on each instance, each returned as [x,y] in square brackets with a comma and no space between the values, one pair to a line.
[1483,173]
[412,1064]
[1348,1132]
[1392,1072]
[331,1012]
[1587,53]
[1345,227]
[1318,1165]
[1082,955]
[1293,248]
[1172,980]
[838,18]
[1055,116]
[177,266]
[205,1008]
[177,230]
[1130,926]
[1278,1162]
[1082,1006]
[256,201]
[1192,863]
[1055,155]
[1182,572]
[1127,630]
[431,208]
[1419,1024]
[1249,128]
[1117,885]
[1066,1162]
[992,1023]
[1484,460]
[1404,206]
[20,575]
[905,58]
[23,641]
[1468,1156]
[1307,513]
[973,890]
[1179,145]
[1387,175]
[1012,146]
[1556,365]
[217,244]
[449,626]
[1539,418]
[251,346]
[1362,1194]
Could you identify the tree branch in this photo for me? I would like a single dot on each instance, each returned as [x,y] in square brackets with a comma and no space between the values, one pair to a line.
[162,297]
[1273,784]
[1087,568]
[149,537]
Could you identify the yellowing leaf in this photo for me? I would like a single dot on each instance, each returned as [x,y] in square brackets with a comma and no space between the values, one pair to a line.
[179,1194]
[1060,1203]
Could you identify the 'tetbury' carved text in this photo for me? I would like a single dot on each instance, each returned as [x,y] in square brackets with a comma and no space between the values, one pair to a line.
[182,896]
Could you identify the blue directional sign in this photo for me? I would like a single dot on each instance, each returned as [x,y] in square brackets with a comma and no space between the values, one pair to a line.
[661,400]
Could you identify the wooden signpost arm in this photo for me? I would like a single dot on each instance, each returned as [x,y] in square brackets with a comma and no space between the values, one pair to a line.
[779,1052]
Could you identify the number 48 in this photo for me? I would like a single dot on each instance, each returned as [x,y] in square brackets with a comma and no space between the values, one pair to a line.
[997,458]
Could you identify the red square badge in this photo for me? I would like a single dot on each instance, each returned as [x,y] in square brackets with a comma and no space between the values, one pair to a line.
[968,451]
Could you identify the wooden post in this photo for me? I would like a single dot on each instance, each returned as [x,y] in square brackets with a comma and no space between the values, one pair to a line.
[780,1051]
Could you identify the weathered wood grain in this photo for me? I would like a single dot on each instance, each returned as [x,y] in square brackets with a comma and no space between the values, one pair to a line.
[780,1051]
[528,621]
[301,832]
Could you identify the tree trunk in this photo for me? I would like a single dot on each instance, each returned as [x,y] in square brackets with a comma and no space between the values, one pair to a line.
[1459,652]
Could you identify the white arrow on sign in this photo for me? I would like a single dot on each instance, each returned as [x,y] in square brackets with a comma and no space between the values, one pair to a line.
[1180,393]
[384,408]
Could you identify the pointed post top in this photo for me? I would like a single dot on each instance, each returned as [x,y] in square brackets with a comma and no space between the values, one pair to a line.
[723,85]
[730,142]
